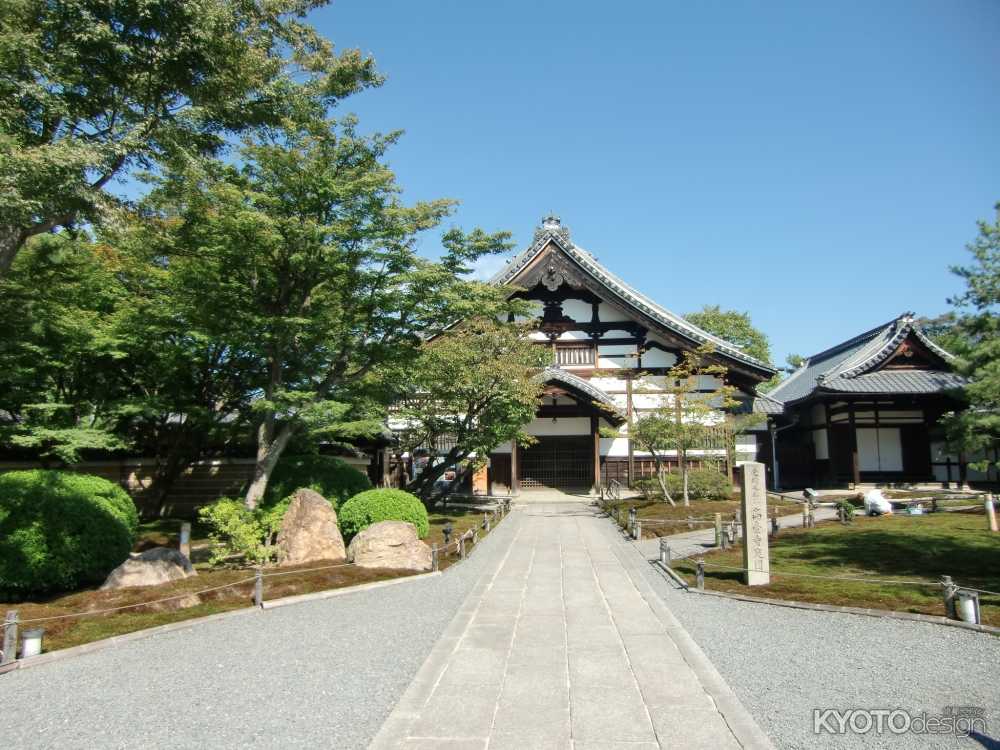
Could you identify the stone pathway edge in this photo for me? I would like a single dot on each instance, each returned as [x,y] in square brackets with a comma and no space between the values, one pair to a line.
[741,722]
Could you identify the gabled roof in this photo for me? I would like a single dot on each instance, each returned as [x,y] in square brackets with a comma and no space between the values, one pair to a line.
[553,232]
[853,366]
[585,388]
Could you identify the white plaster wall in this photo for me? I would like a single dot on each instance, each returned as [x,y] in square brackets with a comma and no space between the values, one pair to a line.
[610,313]
[562,426]
[577,310]
[879,449]
[658,358]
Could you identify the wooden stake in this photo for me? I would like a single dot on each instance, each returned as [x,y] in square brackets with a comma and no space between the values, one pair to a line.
[258,589]
[9,637]
[700,575]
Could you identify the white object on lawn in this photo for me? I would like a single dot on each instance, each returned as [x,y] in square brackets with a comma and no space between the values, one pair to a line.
[876,503]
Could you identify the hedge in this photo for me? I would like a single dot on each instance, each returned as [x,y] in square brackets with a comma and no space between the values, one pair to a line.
[60,530]
[703,484]
[362,510]
[334,479]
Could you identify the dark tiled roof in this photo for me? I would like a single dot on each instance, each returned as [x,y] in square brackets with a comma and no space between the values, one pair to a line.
[851,366]
[574,382]
[764,404]
[559,235]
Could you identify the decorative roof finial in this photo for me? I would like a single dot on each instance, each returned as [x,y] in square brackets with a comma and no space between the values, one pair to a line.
[552,222]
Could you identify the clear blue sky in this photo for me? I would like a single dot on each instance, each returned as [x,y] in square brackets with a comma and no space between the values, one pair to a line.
[819,165]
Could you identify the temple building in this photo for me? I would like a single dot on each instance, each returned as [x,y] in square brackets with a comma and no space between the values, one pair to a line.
[866,411]
[605,335]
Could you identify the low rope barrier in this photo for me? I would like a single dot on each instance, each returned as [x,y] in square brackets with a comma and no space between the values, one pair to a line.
[783,574]
[140,604]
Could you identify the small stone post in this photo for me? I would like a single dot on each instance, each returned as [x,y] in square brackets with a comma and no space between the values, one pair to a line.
[435,562]
[805,516]
[842,515]
[753,504]
[9,637]
[699,574]
[948,593]
[637,530]
[185,544]
[718,531]
[774,524]
[258,588]
[461,547]
[991,513]
[665,552]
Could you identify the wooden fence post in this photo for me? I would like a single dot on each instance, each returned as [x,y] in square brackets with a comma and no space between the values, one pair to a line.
[258,588]
[718,531]
[664,552]
[991,514]
[435,563]
[949,589]
[700,574]
[9,637]
[637,530]
[185,544]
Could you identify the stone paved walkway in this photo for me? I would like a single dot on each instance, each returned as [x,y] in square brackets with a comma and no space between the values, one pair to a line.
[565,645]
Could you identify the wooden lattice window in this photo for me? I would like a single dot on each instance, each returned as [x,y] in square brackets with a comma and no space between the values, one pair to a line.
[568,355]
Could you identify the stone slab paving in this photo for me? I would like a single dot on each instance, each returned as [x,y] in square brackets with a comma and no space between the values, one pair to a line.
[565,645]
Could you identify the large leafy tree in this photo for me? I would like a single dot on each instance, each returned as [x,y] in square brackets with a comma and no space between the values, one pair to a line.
[91,88]
[977,428]
[301,260]
[60,393]
[470,390]
[735,327]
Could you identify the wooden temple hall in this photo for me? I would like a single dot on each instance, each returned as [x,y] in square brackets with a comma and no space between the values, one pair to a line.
[603,334]
[866,411]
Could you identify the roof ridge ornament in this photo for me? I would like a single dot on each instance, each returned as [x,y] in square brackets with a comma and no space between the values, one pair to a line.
[552,225]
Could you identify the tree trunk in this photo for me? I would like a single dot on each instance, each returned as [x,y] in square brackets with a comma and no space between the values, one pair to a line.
[661,478]
[269,450]
[11,239]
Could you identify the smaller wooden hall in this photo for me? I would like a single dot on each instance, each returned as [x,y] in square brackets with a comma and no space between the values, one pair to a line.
[866,411]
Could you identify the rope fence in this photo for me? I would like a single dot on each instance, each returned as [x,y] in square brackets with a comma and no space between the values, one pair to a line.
[12,622]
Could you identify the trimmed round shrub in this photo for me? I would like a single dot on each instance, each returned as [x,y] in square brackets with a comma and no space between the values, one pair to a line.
[334,479]
[361,511]
[60,530]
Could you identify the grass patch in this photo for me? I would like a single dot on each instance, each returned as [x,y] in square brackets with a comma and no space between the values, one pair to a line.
[461,520]
[652,511]
[910,548]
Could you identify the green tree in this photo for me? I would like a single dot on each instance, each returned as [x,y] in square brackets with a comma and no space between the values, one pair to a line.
[59,386]
[690,414]
[471,389]
[301,258]
[795,361]
[733,327]
[977,428]
[92,88]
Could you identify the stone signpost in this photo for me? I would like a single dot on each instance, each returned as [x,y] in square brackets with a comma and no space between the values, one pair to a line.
[754,517]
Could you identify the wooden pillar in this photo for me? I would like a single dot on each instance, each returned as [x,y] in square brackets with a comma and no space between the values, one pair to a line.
[595,431]
[515,484]
[855,465]
[386,464]
[628,416]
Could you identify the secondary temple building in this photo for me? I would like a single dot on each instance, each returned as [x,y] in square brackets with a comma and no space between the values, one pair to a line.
[603,334]
[866,411]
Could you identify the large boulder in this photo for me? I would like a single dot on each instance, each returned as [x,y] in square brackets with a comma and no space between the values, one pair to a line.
[309,531]
[150,568]
[390,544]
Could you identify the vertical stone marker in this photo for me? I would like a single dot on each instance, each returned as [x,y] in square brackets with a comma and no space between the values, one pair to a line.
[754,516]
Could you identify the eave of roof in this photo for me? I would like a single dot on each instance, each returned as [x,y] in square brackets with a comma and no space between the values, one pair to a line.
[629,295]
[574,382]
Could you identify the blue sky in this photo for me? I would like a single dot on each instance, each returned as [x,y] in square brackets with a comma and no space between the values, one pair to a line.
[819,165]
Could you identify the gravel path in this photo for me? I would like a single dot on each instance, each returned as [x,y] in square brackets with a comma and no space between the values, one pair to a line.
[320,674]
[783,663]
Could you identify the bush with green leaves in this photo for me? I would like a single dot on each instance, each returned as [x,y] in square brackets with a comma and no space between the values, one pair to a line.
[236,531]
[703,484]
[333,478]
[60,530]
[362,510]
